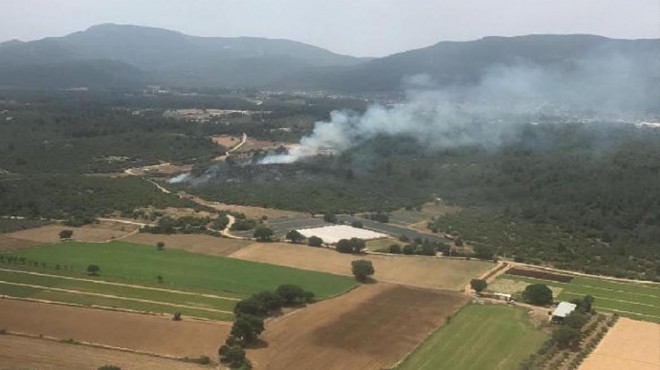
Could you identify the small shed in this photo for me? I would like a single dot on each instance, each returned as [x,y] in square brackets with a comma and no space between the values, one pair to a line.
[563,309]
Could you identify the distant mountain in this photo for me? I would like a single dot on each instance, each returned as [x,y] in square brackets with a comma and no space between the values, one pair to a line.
[162,56]
[119,55]
[458,63]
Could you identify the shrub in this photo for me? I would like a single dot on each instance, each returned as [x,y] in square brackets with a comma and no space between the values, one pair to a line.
[395,249]
[538,294]
[362,269]
[314,241]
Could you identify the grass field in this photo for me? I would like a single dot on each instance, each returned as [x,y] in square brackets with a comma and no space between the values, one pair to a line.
[141,264]
[637,301]
[488,337]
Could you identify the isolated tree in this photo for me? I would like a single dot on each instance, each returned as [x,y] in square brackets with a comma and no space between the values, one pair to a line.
[66,234]
[263,234]
[395,249]
[294,236]
[352,245]
[247,328]
[330,217]
[160,246]
[93,270]
[362,269]
[314,241]
[566,337]
[478,285]
[160,279]
[538,294]
[176,316]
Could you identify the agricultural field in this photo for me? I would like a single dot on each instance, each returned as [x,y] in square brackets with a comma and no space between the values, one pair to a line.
[94,233]
[488,337]
[195,285]
[635,300]
[194,243]
[145,333]
[34,353]
[369,328]
[420,271]
[629,344]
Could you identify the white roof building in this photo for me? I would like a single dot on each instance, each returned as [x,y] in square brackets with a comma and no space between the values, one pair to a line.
[563,309]
[333,234]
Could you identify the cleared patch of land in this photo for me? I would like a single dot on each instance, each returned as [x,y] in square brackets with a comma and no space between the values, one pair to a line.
[8,243]
[635,300]
[195,243]
[33,353]
[418,217]
[95,233]
[371,327]
[118,329]
[488,337]
[141,264]
[629,344]
[425,272]
[249,211]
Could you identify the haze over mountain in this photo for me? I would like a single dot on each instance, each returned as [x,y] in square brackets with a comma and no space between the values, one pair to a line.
[125,56]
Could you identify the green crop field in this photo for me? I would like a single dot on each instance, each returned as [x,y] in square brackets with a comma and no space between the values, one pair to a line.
[634,300]
[201,285]
[488,337]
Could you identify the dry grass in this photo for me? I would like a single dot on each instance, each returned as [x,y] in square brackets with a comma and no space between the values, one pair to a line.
[33,353]
[424,272]
[96,233]
[227,141]
[8,243]
[515,287]
[371,327]
[194,243]
[152,334]
[629,344]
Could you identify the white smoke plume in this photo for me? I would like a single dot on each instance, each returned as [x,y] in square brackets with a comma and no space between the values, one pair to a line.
[487,113]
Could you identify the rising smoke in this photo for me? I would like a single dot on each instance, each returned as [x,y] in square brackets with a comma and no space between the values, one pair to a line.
[489,113]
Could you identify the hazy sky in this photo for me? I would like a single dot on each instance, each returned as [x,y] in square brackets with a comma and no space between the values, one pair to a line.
[355,27]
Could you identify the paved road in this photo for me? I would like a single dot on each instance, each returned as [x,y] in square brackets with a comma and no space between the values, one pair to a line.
[389,228]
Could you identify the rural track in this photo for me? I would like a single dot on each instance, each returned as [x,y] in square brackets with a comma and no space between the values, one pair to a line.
[81,292]
[124,285]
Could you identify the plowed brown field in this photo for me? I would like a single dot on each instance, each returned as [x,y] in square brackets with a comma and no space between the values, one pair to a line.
[8,243]
[31,353]
[371,327]
[629,344]
[145,333]
[204,244]
[425,272]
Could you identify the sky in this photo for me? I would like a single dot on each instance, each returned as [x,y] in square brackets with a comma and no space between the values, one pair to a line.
[353,27]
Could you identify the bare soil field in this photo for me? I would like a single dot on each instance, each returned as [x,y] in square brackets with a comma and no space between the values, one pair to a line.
[8,243]
[226,140]
[96,233]
[424,272]
[33,353]
[153,334]
[371,327]
[629,344]
[196,243]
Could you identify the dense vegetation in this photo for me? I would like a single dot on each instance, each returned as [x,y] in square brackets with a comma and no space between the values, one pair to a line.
[564,193]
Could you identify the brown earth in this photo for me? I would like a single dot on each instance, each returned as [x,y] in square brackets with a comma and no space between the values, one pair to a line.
[196,243]
[8,243]
[96,233]
[153,334]
[629,344]
[33,353]
[420,271]
[371,327]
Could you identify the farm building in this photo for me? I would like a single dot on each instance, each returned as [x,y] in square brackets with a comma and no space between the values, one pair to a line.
[333,234]
[563,309]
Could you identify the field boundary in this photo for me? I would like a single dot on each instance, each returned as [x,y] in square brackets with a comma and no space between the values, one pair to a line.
[122,284]
[113,296]
[113,309]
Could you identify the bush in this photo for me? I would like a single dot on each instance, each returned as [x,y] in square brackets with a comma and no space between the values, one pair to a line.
[263,234]
[66,234]
[176,316]
[566,337]
[246,328]
[409,249]
[478,285]
[538,294]
[353,245]
[314,241]
[93,270]
[330,218]
[357,224]
[395,249]
[109,367]
[291,294]
[362,269]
